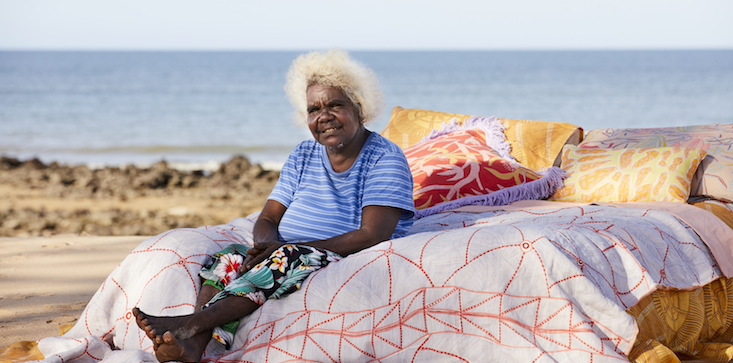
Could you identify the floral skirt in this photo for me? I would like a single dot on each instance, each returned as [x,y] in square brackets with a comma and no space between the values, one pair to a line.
[277,276]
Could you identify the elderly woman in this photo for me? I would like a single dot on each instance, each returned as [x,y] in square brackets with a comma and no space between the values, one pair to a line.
[345,190]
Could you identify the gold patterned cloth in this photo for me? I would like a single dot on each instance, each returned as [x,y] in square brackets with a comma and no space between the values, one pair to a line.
[407,126]
[692,324]
[535,144]
[24,351]
[696,324]
[20,352]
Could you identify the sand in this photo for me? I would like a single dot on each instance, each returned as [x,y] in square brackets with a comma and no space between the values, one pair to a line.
[45,282]
[60,240]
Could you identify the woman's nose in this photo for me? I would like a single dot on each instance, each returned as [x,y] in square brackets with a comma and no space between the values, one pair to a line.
[324,114]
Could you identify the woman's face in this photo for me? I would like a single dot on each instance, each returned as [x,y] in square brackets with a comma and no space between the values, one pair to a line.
[332,118]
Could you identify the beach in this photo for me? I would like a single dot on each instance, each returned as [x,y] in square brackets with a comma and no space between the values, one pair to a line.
[47,281]
[64,228]
[83,136]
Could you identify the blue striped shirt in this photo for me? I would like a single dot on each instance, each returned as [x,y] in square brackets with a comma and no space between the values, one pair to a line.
[322,203]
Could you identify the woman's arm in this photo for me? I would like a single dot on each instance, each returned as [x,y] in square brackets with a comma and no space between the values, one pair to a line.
[377,225]
[265,233]
[265,228]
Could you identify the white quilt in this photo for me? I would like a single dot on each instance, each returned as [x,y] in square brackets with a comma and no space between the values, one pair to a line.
[535,285]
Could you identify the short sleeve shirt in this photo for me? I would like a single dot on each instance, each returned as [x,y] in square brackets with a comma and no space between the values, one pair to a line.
[322,203]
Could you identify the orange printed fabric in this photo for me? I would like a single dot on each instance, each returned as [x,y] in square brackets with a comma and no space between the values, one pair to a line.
[458,165]
[628,175]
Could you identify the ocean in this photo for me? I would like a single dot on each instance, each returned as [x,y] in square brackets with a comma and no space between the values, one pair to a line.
[197,109]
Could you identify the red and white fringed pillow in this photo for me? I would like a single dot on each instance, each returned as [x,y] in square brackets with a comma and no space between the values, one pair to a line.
[469,164]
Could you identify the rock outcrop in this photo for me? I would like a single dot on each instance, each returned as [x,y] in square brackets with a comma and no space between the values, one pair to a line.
[236,182]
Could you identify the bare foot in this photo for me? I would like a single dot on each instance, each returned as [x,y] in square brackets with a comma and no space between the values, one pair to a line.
[184,350]
[156,326]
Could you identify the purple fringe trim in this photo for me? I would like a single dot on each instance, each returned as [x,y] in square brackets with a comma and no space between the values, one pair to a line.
[541,188]
[492,128]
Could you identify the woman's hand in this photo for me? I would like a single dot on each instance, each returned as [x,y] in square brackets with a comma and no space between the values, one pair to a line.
[264,235]
[259,253]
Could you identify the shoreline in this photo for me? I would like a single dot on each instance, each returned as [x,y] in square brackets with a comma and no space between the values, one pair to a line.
[38,199]
[206,166]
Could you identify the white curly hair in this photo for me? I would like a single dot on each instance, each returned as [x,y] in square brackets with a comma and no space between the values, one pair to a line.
[334,69]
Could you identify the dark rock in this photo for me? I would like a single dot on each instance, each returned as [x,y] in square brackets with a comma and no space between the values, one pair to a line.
[7,163]
[236,182]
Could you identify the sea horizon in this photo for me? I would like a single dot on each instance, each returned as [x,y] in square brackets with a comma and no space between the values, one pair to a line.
[196,109]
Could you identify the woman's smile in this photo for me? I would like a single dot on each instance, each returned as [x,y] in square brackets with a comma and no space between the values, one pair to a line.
[333,119]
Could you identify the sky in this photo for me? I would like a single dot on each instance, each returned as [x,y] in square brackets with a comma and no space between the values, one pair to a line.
[365,25]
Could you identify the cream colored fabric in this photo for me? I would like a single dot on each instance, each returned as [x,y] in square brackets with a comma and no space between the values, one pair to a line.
[716,234]
[712,300]
[696,323]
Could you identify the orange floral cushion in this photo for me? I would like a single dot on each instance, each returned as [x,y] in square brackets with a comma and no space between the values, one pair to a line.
[628,175]
[458,165]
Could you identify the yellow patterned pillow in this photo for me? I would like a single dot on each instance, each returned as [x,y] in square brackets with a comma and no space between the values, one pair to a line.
[407,126]
[628,175]
[534,144]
